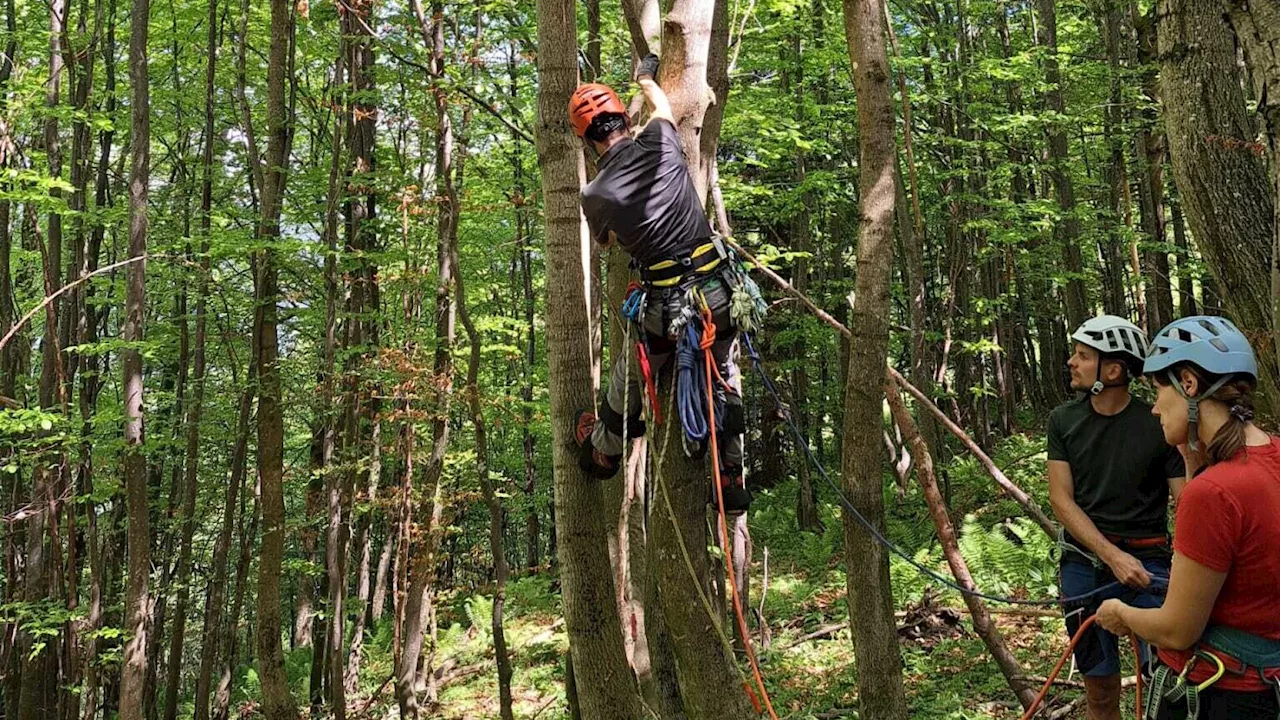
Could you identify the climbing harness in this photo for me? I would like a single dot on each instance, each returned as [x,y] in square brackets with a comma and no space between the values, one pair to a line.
[1161,689]
[669,273]
[1247,653]
[888,544]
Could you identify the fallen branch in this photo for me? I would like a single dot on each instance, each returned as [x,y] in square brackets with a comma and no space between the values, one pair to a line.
[821,632]
[372,697]
[542,707]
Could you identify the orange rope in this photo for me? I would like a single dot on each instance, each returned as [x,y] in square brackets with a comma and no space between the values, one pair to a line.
[708,339]
[1075,640]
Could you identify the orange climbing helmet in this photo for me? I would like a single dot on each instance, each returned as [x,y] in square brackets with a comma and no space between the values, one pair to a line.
[591,101]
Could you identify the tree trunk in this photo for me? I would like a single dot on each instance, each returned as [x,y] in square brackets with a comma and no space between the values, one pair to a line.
[1221,175]
[1149,148]
[423,566]
[1185,280]
[496,546]
[277,702]
[1257,30]
[191,462]
[605,688]
[138,600]
[214,633]
[1067,231]
[870,600]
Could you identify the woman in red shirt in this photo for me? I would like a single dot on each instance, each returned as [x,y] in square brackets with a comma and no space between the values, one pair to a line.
[1223,588]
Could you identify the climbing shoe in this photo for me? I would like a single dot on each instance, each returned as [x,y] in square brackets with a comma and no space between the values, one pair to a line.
[593,462]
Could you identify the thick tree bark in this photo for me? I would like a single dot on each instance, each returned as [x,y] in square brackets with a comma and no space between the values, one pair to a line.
[870,599]
[1257,31]
[605,688]
[277,702]
[1221,174]
[1066,231]
[138,600]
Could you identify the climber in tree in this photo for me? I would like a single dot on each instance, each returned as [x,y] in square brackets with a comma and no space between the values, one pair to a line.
[1110,477]
[643,196]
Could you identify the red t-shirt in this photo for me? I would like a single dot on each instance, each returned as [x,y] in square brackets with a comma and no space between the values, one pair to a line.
[1229,521]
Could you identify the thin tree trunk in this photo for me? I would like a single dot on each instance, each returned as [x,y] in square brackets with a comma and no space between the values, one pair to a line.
[191,463]
[138,600]
[231,629]
[496,546]
[382,579]
[215,632]
[277,702]
[870,601]
[423,566]
[1149,148]
[1067,232]
[91,384]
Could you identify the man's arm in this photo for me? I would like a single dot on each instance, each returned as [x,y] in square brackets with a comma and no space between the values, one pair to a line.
[657,99]
[1124,566]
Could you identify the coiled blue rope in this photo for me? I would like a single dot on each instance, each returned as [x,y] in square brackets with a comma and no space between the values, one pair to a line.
[691,384]
[1156,580]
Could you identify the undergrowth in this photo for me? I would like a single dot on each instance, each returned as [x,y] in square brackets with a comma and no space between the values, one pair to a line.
[949,676]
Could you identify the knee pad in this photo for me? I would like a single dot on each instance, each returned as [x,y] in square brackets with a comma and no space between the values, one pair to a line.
[736,499]
[613,422]
[734,421]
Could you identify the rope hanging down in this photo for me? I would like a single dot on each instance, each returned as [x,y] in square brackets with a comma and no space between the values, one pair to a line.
[708,339]
[867,525]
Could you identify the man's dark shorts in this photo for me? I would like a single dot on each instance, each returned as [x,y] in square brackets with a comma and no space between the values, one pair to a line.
[1098,653]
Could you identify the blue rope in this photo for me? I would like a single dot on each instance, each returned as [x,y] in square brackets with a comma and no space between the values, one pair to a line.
[1156,580]
[691,384]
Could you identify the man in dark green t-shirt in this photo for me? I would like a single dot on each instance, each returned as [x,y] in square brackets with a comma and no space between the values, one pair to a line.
[1110,478]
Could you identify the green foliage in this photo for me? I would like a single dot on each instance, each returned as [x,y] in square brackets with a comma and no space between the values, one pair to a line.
[479,610]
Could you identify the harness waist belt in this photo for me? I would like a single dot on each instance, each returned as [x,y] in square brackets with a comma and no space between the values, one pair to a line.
[1249,650]
[669,273]
[1147,542]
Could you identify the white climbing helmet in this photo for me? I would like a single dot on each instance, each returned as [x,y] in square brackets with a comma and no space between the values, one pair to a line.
[1113,336]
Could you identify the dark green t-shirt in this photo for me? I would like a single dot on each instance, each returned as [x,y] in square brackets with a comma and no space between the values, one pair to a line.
[1120,465]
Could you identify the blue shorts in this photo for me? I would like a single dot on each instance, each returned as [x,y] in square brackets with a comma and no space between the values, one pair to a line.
[1097,654]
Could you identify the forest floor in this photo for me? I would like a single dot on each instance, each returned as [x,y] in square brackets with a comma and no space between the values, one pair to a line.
[948,673]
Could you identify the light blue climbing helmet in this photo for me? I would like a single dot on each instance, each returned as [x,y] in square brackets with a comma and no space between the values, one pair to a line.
[1213,344]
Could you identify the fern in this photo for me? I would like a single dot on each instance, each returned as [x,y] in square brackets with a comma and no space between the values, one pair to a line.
[479,611]
[1009,557]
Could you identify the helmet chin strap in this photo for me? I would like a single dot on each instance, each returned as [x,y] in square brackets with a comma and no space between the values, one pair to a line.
[1098,386]
[1193,407]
